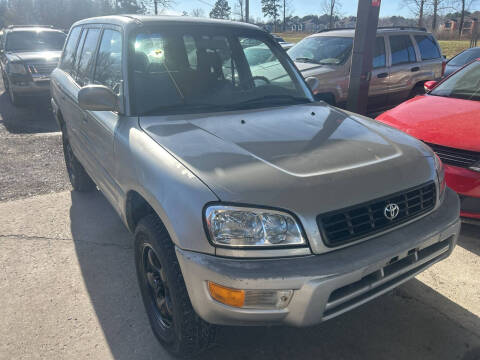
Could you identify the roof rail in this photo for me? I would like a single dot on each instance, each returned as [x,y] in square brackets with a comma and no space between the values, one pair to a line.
[380,28]
[137,20]
[335,29]
[419,28]
[27,26]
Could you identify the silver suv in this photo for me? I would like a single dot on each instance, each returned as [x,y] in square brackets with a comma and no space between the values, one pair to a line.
[28,54]
[404,59]
[250,203]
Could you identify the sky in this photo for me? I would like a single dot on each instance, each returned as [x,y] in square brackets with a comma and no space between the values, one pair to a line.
[299,7]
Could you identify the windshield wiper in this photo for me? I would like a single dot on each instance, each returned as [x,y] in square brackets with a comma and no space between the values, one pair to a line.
[307,60]
[273,99]
[180,108]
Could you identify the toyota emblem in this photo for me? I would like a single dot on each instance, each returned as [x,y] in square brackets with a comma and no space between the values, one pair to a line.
[391,211]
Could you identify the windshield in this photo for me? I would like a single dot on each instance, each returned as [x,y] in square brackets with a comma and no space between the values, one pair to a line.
[465,57]
[204,71]
[326,50]
[35,41]
[464,84]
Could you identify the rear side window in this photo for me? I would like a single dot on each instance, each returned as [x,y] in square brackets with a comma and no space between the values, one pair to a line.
[108,71]
[428,47]
[69,52]
[402,50]
[379,58]
[87,57]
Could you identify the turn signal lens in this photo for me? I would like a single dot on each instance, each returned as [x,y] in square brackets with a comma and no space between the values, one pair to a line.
[250,299]
[227,296]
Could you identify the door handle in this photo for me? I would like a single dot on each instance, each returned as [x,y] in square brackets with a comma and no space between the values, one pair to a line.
[382,75]
[415,69]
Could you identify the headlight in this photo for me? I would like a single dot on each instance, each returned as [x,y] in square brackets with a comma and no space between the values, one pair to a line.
[475,167]
[16,68]
[440,174]
[235,226]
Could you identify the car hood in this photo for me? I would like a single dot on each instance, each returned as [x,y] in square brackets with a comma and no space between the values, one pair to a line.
[308,159]
[438,120]
[34,56]
[319,69]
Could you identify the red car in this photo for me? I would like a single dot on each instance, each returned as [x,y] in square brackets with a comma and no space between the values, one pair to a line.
[447,118]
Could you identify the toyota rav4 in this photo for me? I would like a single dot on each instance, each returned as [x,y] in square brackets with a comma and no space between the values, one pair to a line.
[250,203]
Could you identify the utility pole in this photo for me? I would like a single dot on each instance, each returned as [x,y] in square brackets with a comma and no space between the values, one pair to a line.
[155,2]
[247,11]
[362,58]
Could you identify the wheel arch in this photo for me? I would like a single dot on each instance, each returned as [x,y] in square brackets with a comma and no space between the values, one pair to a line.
[137,207]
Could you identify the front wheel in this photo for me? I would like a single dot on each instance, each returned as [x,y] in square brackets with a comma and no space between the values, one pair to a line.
[172,318]
[417,91]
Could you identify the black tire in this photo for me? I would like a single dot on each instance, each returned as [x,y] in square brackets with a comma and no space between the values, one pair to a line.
[417,90]
[79,178]
[172,318]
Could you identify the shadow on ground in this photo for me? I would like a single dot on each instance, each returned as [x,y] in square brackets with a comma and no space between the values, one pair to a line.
[471,239]
[34,116]
[412,322]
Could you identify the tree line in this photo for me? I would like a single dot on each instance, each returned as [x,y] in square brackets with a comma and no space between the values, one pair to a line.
[63,13]
[431,9]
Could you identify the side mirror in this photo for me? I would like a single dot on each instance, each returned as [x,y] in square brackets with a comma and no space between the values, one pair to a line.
[97,98]
[313,83]
[430,85]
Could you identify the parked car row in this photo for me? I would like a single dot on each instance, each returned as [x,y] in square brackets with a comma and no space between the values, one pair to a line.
[250,202]
[404,59]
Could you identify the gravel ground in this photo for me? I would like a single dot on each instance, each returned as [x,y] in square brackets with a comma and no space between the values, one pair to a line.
[31,157]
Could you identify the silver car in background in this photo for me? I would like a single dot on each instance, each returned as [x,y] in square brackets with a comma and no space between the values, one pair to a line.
[404,58]
[250,203]
[28,55]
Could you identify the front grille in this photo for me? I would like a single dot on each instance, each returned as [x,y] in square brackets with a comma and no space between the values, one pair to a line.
[455,157]
[42,69]
[395,272]
[347,225]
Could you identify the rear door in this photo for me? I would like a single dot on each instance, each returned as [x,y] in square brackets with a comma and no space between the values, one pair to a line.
[63,85]
[379,83]
[431,57]
[100,126]
[404,65]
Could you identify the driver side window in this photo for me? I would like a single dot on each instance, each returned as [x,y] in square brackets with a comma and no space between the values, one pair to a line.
[265,67]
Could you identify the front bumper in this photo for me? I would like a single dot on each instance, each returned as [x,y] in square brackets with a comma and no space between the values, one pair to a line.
[467,184]
[324,285]
[28,86]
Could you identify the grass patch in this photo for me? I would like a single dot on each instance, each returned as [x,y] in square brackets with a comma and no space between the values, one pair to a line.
[450,48]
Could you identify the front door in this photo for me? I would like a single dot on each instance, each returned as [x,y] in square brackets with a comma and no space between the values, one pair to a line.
[100,126]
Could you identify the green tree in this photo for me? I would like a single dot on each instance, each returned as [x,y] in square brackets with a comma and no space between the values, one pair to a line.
[221,10]
[270,8]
